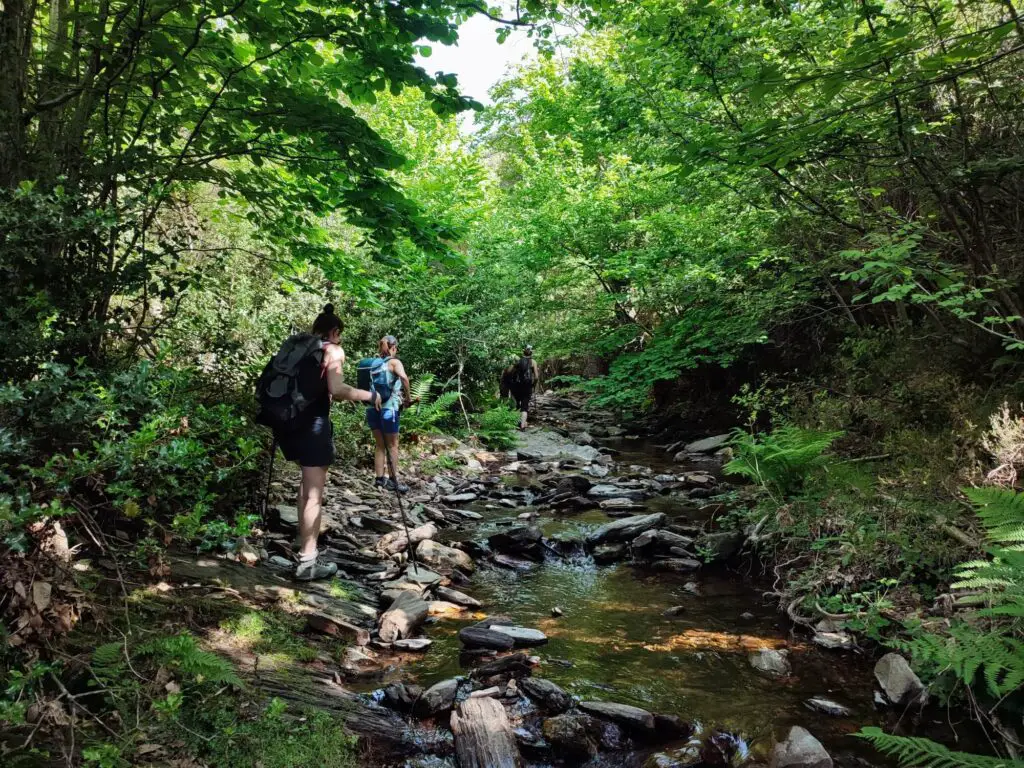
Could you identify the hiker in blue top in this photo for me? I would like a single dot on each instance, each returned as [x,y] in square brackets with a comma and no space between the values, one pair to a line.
[388,377]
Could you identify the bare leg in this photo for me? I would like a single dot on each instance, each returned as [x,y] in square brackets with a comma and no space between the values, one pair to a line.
[310,513]
[379,461]
[392,446]
[522,419]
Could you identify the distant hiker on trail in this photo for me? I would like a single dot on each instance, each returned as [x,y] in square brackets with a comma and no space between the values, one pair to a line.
[519,381]
[386,376]
[294,393]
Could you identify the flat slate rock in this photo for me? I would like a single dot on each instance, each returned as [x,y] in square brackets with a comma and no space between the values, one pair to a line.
[459,598]
[546,694]
[626,529]
[630,718]
[515,563]
[544,445]
[828,707]
[708,444]
[523,637]
[413,644]
[606,491]
[459,498]
[480,637]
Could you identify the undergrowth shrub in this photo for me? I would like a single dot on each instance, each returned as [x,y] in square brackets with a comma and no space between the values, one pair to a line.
[496,427]
[142,448]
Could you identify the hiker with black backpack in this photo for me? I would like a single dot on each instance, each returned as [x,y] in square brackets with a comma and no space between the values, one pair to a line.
[386,376]
[520,379]
[294,395]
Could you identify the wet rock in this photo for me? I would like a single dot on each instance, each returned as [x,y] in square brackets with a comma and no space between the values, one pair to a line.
[401,697]
[459,598]
[747,616]
[615,492]
[412,644]
[708,444]
[544,445]
[721,546]
[631,718]
[396,541]
[524,637]
[609,553]
[677,564]
[443,558]
[672,727]
[722,749]
[626,529]
[800,750]
[651,542]
[515,665]
[437,698]
[568,736]
[483,637]
[583,438]
[522,540]
[898,681]
[833,640]
[377,524]
[415,578]
[556,612]
[515,563]
[531,743]
[770,662]
[546,695]
[827,707]
[697,479]
[444,608]
[677,610]
[597,470]
[459,498]
[619,505]
[404,616]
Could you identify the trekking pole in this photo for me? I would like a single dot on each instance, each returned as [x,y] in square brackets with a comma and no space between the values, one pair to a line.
[401,507]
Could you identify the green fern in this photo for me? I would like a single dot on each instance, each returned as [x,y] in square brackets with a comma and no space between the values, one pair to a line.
[183,653]
[1002,514]
[913,752]
[965,651]
[780,460]
[496,427]
[108,661]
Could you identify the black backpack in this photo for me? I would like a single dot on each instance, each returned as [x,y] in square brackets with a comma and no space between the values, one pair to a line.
[291,382]
[523,375]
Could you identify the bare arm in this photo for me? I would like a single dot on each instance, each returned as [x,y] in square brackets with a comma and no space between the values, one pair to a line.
[334,358]
[399,370]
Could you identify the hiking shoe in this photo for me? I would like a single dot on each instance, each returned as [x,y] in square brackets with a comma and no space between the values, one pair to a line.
[314,570]
[391,485]
[378,483]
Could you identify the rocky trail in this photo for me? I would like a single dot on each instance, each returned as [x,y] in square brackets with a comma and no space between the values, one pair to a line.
[575,602]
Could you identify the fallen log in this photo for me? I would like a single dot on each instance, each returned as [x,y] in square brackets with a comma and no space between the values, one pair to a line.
[483,736]
[403,617]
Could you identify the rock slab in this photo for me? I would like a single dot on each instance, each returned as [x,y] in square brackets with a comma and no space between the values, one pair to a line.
[898,680]
[770,661]
[626,529]
[631,718]
[800,750]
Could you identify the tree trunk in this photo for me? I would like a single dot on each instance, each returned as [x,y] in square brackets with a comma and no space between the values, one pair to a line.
[14,48]
[483,736]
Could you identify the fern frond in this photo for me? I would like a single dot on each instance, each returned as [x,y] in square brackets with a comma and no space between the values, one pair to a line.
[183,653]
[915,752]
[781,459]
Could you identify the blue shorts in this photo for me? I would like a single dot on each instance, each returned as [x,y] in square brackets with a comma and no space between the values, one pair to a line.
[386,420]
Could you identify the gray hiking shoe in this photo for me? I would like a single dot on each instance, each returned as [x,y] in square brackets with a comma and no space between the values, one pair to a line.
[315,569]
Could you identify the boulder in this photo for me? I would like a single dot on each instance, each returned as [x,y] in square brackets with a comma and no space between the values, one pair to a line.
[546,695]
[404,616]
[626,529]
[521,540]
[332,625]
[514,665]
[597,470]
[770,662]
[583,438]
[722,545]
[544,445]
[897,679]
[401,697]
[632,719]
[800,750]
[523,637]
[396,541]
[443,558]
[659,541]
[568,736]
[437,698]
[708,444]
[609,553]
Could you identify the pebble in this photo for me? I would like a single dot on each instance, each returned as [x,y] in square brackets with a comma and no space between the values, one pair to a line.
[556,611]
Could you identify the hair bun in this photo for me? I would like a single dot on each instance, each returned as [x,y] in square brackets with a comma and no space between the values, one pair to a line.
[328,309]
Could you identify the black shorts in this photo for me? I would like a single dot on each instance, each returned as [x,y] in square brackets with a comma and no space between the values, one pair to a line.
[310,446]
[523,395]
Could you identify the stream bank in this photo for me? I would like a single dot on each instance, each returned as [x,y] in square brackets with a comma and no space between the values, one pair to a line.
[580,581]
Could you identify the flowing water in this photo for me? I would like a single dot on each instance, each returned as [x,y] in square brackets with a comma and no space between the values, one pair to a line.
[613,641]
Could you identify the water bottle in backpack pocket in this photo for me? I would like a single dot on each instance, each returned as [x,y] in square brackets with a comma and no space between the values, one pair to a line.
[372,373]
